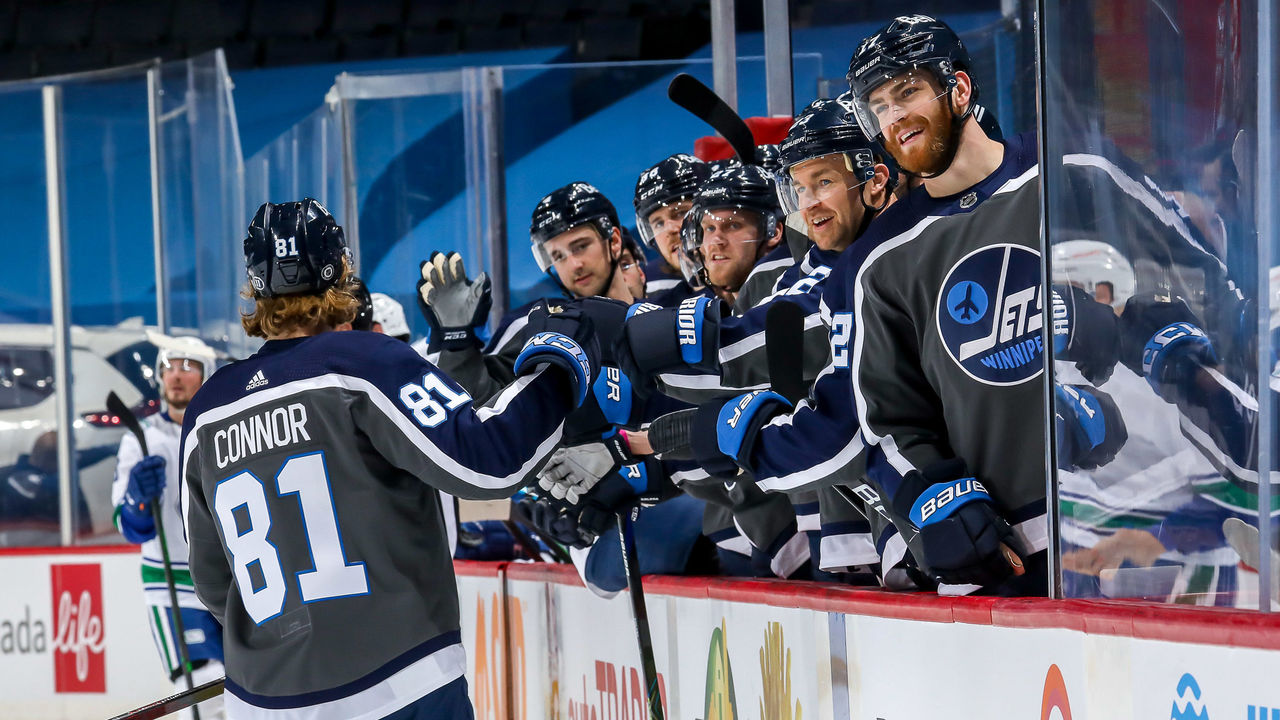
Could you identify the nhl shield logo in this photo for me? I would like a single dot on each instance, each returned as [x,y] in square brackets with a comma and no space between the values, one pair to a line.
[990,314]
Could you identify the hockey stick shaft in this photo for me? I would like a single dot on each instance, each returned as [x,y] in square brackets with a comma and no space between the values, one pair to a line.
[691,94]
[631,564]
[784,349]
[116,407]
[174,703]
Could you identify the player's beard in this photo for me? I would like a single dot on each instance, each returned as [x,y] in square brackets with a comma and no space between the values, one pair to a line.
[179,403]
[930,157]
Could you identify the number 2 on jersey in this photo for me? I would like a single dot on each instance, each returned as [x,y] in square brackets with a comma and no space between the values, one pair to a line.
[240,503]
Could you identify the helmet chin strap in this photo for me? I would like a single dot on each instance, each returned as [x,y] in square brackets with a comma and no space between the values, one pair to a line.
[957,122]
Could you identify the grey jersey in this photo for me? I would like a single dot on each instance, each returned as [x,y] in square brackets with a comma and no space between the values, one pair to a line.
[315,527]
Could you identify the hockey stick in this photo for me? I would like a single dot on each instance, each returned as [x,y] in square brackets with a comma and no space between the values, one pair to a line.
[116,407]
[631,564]
[1243,538]
[174,703]
[689,93]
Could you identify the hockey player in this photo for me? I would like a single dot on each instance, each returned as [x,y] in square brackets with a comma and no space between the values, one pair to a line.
[141,482]
[733,223]
[311,477]
[576,240]
[388,317]
[664,196]
[830,178]
[942,301]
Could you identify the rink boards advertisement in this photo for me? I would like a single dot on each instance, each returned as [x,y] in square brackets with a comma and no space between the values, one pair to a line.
[74,643]
[74,637]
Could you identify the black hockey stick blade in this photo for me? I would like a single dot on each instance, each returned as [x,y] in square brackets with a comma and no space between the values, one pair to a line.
[689,93]
[116,407]
[174,703]
[784,349]
[631,564]
[671,435]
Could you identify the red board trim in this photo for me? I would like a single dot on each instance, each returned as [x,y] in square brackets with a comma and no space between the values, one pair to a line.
[1141,620]
[72,550]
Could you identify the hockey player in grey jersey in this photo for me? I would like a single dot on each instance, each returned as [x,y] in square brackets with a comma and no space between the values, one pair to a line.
[311,471]
[141,481]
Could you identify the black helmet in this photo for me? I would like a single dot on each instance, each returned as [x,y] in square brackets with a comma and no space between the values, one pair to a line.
[824,128]
[364,313]
[909,42]
[672,180]
[737,187]
[566,208]
[770,158]
[294,248]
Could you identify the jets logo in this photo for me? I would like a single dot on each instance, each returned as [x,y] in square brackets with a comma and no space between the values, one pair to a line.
[990,314]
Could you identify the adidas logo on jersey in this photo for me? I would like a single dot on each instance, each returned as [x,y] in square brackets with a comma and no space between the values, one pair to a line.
[257,381]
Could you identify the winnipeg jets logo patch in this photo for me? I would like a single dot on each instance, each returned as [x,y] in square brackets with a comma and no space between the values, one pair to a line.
[990,314]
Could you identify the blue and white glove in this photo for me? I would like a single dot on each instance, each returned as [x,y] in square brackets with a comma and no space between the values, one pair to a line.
[657,339]
[617,492]
[724,433]
[146,484]
[1086,332]
[562,336]
[1163,341]
[961,531]
[1090,428]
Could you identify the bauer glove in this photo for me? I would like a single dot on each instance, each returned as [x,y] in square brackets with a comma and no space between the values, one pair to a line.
[724,433]
[454,307]
[1086,332]
[1090,427]
[961,532]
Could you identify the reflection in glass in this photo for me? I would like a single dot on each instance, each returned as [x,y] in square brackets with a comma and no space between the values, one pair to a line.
[1154,262]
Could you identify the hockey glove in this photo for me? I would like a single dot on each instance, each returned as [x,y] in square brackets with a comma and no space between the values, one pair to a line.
[724,433]
[656,339]
[961,533]
[453,306]
[561,335]
[618,492]
[1086,332]
[146,484]
[612,402]
[1090,428]
[573,471]
[1163,342]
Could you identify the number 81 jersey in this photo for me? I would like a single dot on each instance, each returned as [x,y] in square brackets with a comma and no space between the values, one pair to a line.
[316,534]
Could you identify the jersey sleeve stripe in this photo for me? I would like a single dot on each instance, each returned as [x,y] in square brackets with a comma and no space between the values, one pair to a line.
[398,419]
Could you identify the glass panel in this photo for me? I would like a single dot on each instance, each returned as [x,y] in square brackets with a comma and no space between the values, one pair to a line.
[111,277]
[1151,119]
[604,124]
[203,204]
[410,155]
[28,419]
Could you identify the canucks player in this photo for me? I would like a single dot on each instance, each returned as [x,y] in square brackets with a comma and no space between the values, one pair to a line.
[311,478]
[141,481]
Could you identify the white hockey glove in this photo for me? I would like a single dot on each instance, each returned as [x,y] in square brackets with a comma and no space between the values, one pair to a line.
[452,305]
[573,471]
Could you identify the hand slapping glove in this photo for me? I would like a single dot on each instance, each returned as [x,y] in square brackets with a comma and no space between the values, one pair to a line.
[453,306]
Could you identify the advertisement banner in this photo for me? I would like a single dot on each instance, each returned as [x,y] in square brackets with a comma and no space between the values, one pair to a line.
[79,664]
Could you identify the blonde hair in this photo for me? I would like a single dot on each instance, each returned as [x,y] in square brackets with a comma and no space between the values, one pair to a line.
[288,314]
